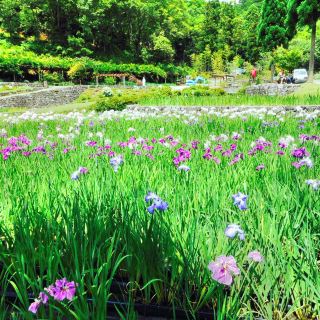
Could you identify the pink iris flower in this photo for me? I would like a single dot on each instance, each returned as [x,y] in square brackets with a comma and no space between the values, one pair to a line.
[223,269]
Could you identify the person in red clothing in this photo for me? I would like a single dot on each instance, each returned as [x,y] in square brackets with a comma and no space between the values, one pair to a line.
[254,74]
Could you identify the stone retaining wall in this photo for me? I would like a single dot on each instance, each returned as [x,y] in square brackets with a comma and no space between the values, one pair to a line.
[272,89]
[23,84]
[45,97]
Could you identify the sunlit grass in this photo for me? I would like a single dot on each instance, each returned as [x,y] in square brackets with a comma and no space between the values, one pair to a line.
[236,100]
[75,106]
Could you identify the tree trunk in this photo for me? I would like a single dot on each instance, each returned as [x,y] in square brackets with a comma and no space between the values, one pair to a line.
[273,70]
[312,52]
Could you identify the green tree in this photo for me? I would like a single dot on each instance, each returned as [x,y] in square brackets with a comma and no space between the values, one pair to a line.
[272,27]
[161,49]
[249,49]
[211,25]
[305,13]
[217,62]
[288,59]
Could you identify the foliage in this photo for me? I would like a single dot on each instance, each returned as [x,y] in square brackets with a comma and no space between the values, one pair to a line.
[16,60]
[176,33]
[116,103]
[120,98]
[109,81]
[305,13]
[78,71]
[202,91]
[218,65]
[288,59]
[272,27]
[53,77]
[90,95]
[161,50]
[151,31]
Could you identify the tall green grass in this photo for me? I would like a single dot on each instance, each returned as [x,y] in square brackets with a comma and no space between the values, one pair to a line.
[234,100]
[97,230]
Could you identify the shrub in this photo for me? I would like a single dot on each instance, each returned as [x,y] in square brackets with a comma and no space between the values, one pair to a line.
[107,92]
[116,103]
[202,91]
[121,98]
[158,92]
[53,77]
[90,95]
[79,71]
[110,81]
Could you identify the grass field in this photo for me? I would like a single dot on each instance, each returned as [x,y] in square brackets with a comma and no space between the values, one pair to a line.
[301,98]
[73,204]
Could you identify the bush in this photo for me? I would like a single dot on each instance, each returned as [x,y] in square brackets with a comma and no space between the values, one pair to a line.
[202,91]
[158,92]
[79,71]
[107,92]
[53,77]
[116,103]
[90,95]
[110,81]
[121,98]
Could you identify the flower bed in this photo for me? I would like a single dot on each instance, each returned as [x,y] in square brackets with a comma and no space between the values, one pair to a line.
[197,211]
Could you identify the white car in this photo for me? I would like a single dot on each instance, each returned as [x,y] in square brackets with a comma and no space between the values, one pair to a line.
[300,75]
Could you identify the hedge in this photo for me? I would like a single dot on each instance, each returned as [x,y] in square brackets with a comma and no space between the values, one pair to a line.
[17,60]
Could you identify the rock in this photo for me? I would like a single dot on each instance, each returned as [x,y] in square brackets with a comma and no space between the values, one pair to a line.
[272,89]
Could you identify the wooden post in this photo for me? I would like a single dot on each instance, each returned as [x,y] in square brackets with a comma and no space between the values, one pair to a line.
[97,81]
[124,80]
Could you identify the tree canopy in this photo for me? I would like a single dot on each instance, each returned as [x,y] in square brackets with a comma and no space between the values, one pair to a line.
[304,13]
[208,35]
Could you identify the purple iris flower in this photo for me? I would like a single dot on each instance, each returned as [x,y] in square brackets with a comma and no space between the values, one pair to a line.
[255,256]
[64,290]
[240,200]
[300,153]
[83,170]
[157,203]
[183,167]
[116,162]
[260,167]
[34,306]
[150,197]
[234,229]
[42,299]
[280,153]
[218,148]
[236,159]
[76,175]
[315,184]
[223,269]
[91,143]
